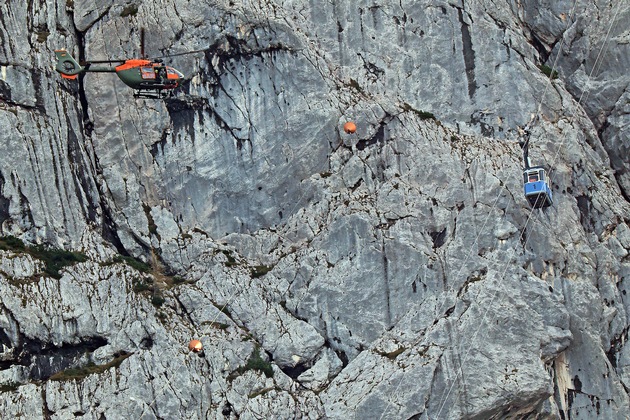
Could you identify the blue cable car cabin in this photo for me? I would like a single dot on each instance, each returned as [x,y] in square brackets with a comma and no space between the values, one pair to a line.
[537,190]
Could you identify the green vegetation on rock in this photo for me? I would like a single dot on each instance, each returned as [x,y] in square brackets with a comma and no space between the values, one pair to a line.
[54,259]
[89,369]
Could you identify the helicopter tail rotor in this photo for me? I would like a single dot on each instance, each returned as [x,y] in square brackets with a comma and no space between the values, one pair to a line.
[67,66]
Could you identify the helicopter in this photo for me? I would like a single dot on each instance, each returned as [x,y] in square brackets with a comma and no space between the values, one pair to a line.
[150,78]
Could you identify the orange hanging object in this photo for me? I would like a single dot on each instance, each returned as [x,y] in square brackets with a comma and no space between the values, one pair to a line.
[349,127]
[195,346]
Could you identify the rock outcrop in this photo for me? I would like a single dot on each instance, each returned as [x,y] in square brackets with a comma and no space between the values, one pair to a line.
[396,272]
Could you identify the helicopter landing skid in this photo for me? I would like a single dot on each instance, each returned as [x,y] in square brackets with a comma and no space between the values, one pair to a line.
[158,94]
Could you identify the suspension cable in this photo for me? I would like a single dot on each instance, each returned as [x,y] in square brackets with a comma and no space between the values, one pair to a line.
[557,153]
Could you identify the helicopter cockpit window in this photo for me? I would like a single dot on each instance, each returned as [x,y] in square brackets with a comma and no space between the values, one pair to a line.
[147,72]
[172,71]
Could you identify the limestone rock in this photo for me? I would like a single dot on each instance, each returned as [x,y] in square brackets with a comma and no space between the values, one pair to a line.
[395,272]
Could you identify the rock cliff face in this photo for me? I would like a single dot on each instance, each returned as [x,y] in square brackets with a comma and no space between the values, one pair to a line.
[394,273]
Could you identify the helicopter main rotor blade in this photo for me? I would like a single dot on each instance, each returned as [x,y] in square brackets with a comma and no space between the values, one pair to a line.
[142,43]
[180,54]
[83,63]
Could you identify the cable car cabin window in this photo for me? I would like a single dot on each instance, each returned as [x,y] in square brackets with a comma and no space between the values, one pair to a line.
[147,73]
[531,176]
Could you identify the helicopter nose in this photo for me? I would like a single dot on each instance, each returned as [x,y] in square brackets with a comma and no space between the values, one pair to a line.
[174,74]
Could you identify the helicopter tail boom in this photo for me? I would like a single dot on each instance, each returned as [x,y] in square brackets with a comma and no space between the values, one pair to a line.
[67,66]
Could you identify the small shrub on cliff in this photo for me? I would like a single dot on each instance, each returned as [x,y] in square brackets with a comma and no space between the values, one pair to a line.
[547,71]
[231,261]
[133,263]
[423,115]
[9,386]
[56,259]
[158,300]
[130,10]
[42,36]
[140,286]
[256,362]
[11,243]
[260,270]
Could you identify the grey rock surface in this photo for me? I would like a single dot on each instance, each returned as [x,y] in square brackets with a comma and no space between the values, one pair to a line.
[397,272]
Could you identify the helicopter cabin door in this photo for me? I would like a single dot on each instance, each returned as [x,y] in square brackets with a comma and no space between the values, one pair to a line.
[147,73]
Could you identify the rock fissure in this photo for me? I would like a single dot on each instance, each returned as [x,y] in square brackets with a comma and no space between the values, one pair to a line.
[469,54]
